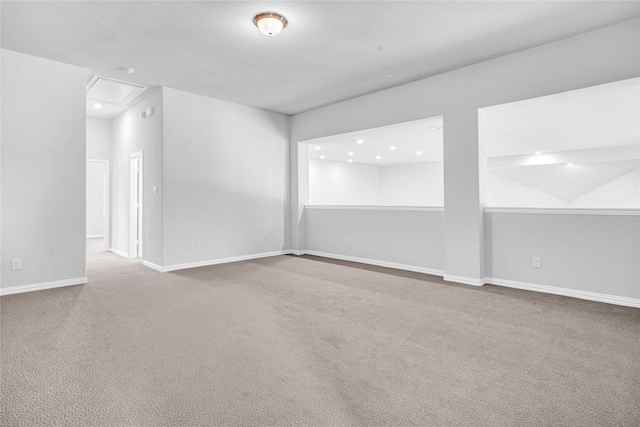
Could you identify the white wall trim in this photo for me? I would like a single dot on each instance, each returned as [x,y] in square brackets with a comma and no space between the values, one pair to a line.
[152,265]
[376,208]
[95,236]
[464,280]
[44,285]
[564,211]
[407,267]
[591,296]
[183,266]
[119,252]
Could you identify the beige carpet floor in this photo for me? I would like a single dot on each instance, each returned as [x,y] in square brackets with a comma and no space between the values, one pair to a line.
[305,341]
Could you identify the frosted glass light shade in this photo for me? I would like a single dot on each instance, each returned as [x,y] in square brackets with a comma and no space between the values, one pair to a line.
[270,23]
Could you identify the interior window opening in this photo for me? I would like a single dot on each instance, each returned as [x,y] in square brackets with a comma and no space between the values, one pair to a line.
[578,149]
[397,165]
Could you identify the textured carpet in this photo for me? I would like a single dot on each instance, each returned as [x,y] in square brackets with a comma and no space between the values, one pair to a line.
[307,341]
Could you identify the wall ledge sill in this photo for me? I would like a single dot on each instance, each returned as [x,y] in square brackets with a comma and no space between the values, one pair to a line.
[564,211]
[375,208]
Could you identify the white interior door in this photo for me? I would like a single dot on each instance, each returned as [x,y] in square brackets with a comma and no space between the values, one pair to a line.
[136,205]
[97,219]
[95,199]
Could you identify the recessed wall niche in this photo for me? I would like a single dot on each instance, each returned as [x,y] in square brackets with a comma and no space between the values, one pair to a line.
[397,165]
[577,149]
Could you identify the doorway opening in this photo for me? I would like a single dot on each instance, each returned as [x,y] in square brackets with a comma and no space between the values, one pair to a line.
[573,150]
[394,165]
[110,131]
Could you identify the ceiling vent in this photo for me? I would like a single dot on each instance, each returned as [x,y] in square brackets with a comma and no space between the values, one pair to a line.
[111,91]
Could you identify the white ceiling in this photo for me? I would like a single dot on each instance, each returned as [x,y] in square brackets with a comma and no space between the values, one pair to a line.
[330,51]
[423,136]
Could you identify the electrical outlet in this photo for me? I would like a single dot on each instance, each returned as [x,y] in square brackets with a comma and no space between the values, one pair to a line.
[347,241]
[535,262]
[155,189]
[16,264]
[191,246]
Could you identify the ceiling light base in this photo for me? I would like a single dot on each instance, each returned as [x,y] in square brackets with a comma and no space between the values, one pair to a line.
[270,23]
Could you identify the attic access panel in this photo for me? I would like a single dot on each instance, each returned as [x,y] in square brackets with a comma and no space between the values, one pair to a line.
[113,91]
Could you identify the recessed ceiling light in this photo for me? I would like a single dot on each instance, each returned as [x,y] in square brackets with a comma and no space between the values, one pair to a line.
[569,164]
[390,76]
[270,23]
[322,157]
[98,106]
[129,70]
[418,153]
[317,147]
[393,147]
[351,153]
[350,160]
[378,157]
[538,152]
[359,141]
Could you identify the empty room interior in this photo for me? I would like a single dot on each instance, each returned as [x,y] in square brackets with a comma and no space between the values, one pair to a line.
[339,213]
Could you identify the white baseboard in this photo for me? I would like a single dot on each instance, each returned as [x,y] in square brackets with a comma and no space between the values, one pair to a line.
[591,296]
[119,252]
[152,265]
[95,236]
[464,280]
[294,252]
[379,263]
[44,285]
[175,267]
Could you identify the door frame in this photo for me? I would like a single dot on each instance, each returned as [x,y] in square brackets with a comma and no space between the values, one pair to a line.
[136,225]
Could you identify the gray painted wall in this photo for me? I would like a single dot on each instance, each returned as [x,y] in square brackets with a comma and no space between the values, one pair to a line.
[99,138]
[413,238]
[43,169]
[95,198]
[568,64]
[340,183]
[594,253]
[99,143]
[131,134]
[224,179]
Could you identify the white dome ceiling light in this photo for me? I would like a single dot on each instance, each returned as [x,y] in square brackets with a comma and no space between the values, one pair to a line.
[270,23]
